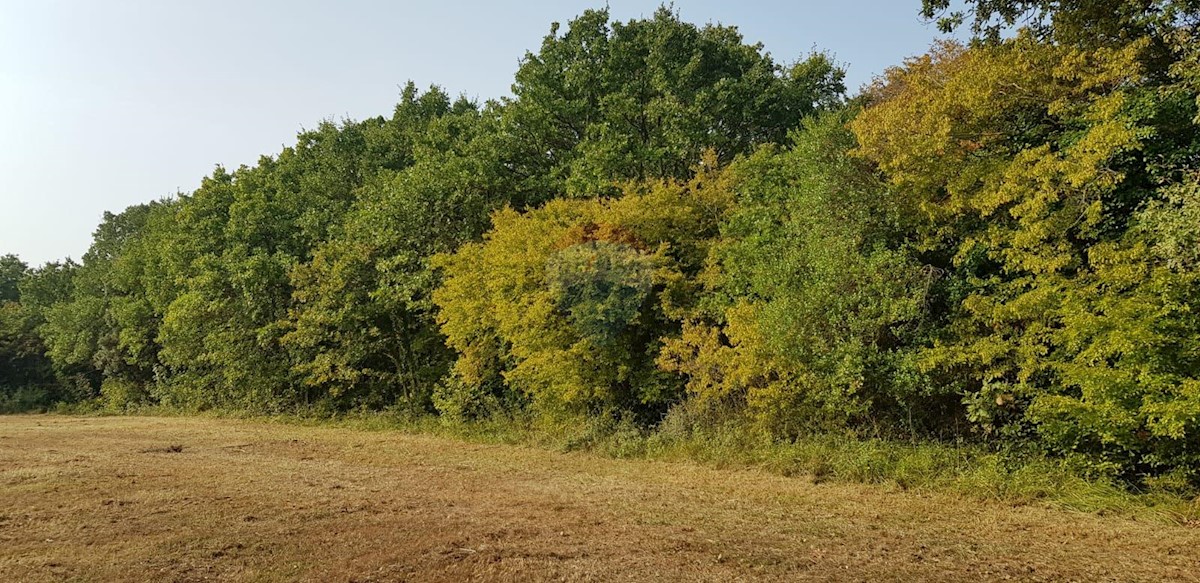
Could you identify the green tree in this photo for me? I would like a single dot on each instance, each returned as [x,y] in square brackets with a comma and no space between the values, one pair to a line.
[362,329]
[609,101]
[12,270]
[228,300]
[83,333]
[28,379]
[1077,21]
[813,302]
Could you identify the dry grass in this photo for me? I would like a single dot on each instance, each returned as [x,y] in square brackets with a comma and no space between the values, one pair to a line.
[131,499]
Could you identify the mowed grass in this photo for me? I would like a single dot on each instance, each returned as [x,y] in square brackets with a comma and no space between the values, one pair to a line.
[192,499]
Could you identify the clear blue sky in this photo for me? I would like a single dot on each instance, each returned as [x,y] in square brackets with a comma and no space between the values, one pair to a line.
[108,104]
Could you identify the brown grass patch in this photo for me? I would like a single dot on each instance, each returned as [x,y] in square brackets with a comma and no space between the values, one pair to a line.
[82,501]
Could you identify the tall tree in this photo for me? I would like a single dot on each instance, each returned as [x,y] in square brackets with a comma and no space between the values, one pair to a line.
[1032,160]
[1076,21]
[12,270]
[814,304]
[362,330]
[607,101]
[28,379]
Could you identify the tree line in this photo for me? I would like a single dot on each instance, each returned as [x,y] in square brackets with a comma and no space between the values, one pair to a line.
[998,241]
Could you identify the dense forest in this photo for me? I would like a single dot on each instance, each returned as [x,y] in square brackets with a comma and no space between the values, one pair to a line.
[997,241]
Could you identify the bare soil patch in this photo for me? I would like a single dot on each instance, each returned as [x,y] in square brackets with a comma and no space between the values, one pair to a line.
[170,499]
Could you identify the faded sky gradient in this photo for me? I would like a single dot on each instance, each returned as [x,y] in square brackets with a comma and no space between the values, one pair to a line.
[108,104]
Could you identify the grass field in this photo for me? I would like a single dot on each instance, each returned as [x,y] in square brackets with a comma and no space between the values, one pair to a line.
[191,499]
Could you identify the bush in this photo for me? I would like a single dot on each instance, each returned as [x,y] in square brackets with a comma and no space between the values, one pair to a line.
[25,399]
[813,303]
[570,303]
[121,395]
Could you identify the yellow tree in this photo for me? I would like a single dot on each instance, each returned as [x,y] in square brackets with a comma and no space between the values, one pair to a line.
[1030,161]
[568,304]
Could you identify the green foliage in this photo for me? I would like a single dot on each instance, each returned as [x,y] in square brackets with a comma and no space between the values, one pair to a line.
[101,328]
[28,380]
[609,101]
[216,335]
[1087,21]
[235,255]
[362,328]
[1172,224]
[12,270]
[600,287]
[122,395]
[304,279]
[813,300]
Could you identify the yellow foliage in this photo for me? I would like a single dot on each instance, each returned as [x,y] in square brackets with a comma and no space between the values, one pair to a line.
[507,311]
[943,129]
